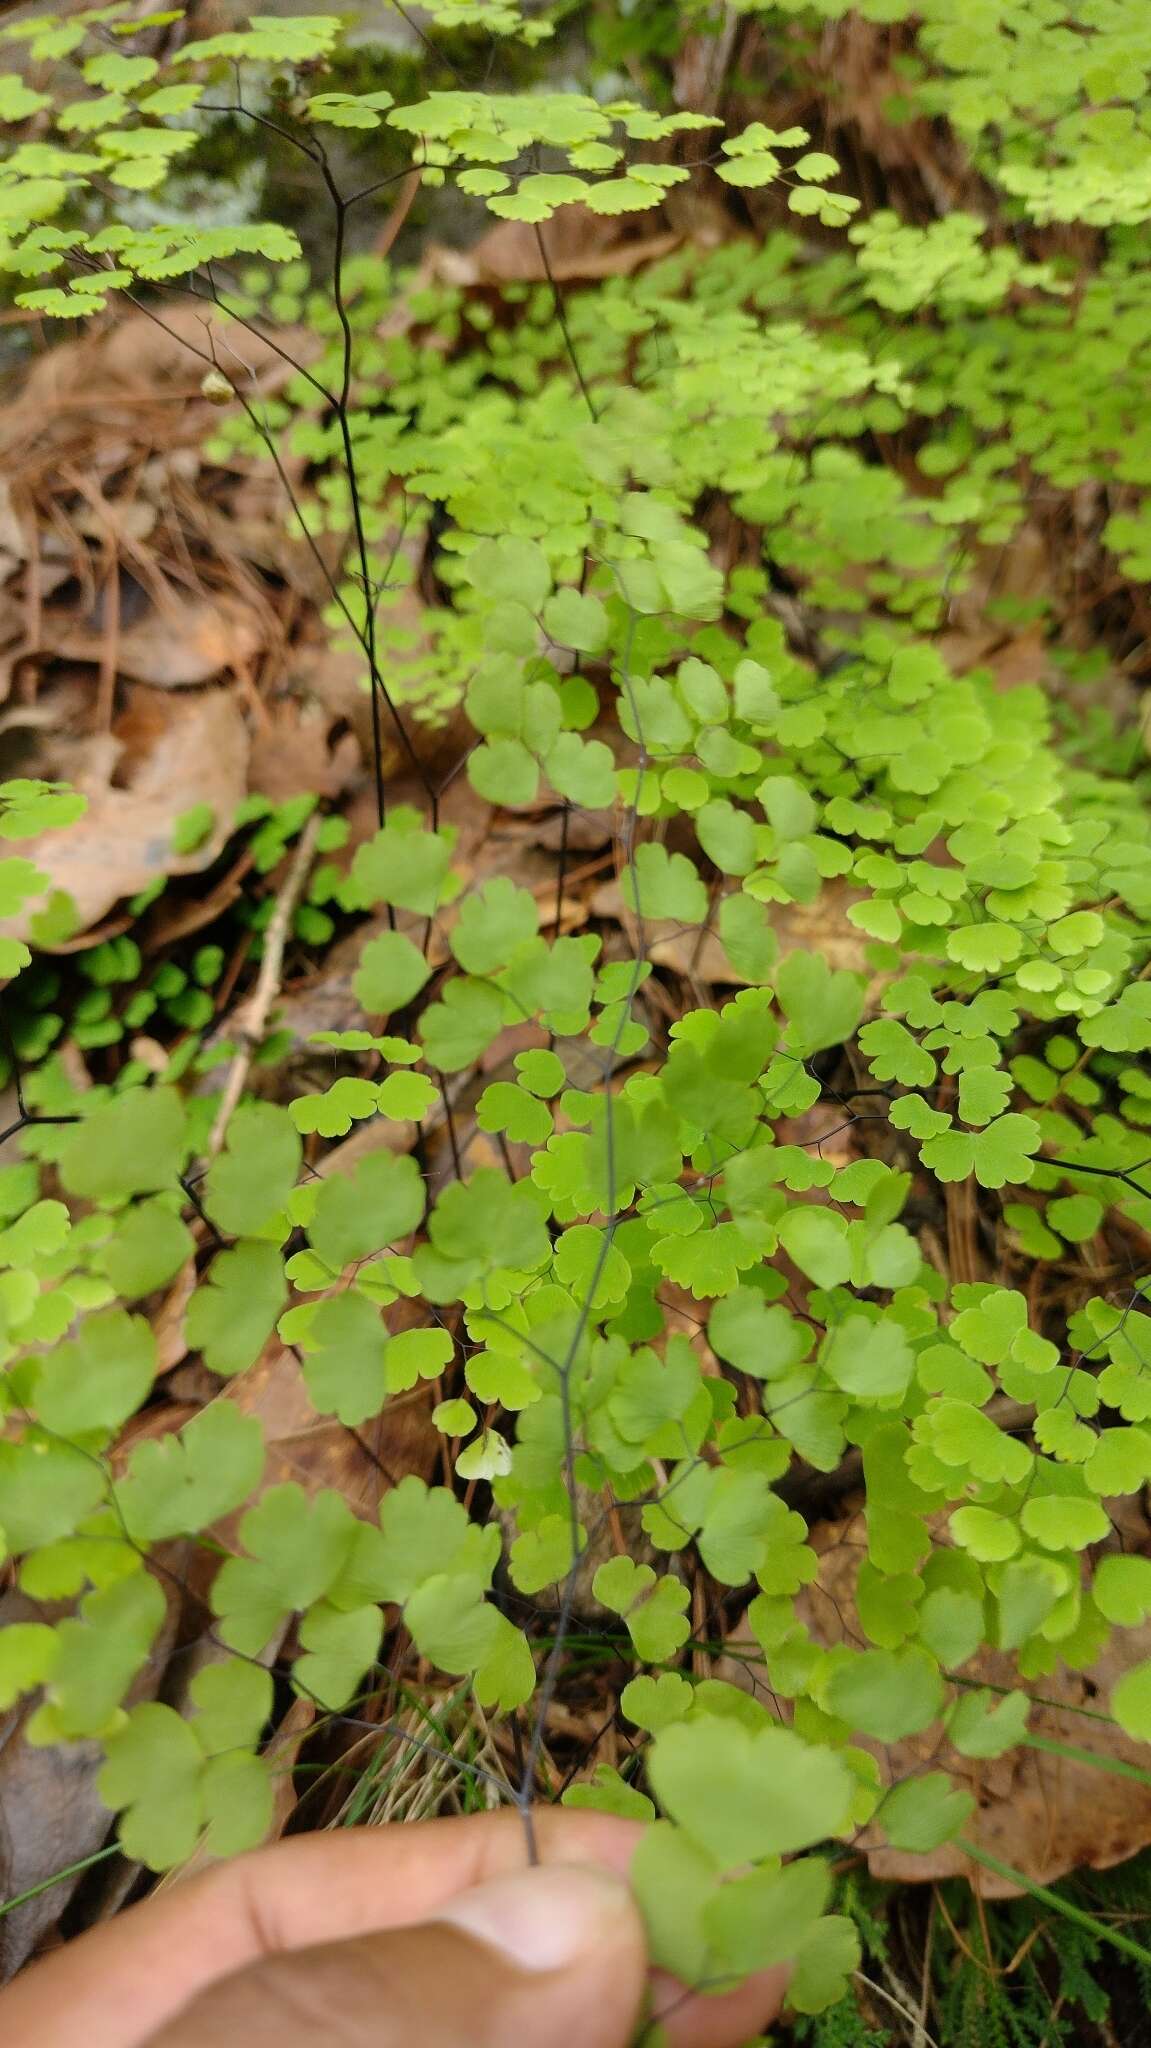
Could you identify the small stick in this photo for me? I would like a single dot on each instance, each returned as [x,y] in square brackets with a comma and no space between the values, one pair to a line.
[110,646]
[252,1016]
[905,2011]
[399,212]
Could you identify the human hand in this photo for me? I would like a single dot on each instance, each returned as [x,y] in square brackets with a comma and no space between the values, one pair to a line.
[432,1934]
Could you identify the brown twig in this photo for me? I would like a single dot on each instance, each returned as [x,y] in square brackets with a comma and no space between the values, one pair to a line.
[399,212]
[252,1017]
[110,644]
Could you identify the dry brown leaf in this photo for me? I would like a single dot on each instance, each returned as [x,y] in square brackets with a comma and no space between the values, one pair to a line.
[172,921]
[177,642]
[579,244]
[125,374]
[124,840]
[51,1818]
[334,677]
[292,755]
[1045,1815]
[282,1753]
[168,1319]
[317,1451]
[150,1425]
[578,831]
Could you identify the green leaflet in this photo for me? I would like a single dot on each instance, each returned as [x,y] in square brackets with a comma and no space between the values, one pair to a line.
[504,1107]
[1122,1589]
[576,620]
[296,1549]
[609,1793]
[173,1779]
[255,1173]
[471,1223]
[674,1877]
[981,1725]
[1131,1701]
[344,1367]
[150,1245]
[95,1383]
[543,1555]
[338,1649]
[884,1693]
[416,1354]
[28,1652]
[130,1146]
[822,1006]
[659,885]
[868,1360]
[743,1796]
[924,1812]
[652,1607]
[455,1031]
[404,865]
[45,1497]
[234,1311]
[381,1201]
[390,973]
[425,1532]
[99,1653]
[817,1241]
[183,1483]
[492,924]
[334,1112]
[768,1916]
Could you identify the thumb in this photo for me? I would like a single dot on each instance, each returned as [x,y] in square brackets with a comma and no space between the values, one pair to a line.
[552,1955]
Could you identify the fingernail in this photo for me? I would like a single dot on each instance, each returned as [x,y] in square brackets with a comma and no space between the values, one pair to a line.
[542,1919]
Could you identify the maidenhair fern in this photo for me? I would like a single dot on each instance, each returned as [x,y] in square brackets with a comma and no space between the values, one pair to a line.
[996,883]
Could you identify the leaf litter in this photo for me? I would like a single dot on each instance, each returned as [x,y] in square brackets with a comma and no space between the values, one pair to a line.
[159,631]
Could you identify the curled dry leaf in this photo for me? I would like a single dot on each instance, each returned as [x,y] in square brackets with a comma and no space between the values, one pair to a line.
[168,1319]
[124,840]
[282,1754]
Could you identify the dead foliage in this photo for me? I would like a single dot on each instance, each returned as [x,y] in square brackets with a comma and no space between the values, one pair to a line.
[160,636]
